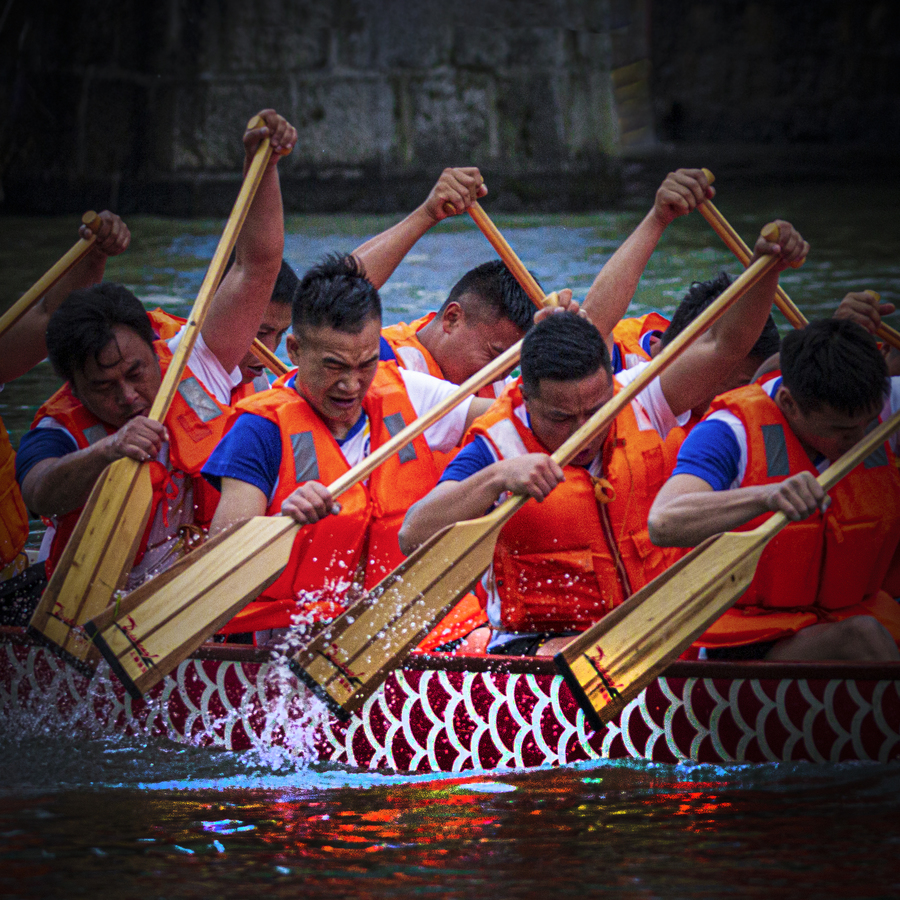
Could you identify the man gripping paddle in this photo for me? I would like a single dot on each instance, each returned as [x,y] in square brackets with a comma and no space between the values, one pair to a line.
[286,444]
[817,592]
[102,343]
[576,553]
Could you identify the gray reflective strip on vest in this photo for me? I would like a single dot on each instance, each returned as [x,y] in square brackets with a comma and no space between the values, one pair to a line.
[94,433]
[506,439]
[878,457]
[306,465]
[260,383]
[776,451]
[204,407]
[395,424]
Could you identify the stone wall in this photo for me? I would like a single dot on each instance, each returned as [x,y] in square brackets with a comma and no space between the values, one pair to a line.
[145,103]
[140,106]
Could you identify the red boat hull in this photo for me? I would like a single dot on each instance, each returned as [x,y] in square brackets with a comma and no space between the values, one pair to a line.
[457,714]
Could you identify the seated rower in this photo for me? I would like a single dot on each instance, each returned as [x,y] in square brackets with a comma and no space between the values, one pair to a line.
[22,347]
[275,322]
[582,548]
[285,445]
[486,311]
[817,592]
[101,342]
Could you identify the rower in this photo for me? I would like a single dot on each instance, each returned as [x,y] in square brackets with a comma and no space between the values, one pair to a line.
[101,342]
[284,445]
[486,311]
[564,561]
[22,347]
[817,592]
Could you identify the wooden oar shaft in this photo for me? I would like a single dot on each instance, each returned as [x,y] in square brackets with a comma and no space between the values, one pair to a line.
[273,363]
[736,245]
[52,275]
[507,254]
[786,306]
[214,273]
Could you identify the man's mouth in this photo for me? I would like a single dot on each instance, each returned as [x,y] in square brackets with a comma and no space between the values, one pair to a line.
[343,402]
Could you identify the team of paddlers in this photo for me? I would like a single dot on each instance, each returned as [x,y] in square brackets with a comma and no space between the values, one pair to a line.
[736,428]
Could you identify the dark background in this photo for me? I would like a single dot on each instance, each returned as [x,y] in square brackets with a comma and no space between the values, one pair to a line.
[564,104]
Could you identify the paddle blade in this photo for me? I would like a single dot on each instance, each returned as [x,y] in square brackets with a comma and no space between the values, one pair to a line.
[347,661]
[157,626]
[96,561]
[609,664]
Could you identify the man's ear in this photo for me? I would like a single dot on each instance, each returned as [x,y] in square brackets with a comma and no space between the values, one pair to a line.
[452,316]
[786,403]
[292,348]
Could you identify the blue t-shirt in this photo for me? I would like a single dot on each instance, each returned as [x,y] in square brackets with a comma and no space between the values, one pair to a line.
[251,452]
[471,459]
[711,452]
[40,444]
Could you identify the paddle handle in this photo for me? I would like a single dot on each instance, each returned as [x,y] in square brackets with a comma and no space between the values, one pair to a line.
[736,245]
[274,364]
[213,275]
[508,255]
[52,275]
[714,311]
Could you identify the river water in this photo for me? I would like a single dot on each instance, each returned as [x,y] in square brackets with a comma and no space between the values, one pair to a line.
[117,817]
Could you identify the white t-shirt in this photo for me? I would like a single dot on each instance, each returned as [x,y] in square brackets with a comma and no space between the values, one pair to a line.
[179,509]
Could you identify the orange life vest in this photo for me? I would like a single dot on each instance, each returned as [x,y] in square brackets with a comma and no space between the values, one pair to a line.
[326,556]
[167,325]
[13,515]
[564,563]
[828,567]
[627,336]
[405,343]
[195,422]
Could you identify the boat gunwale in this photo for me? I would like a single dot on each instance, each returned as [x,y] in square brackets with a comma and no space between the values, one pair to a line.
[537,665]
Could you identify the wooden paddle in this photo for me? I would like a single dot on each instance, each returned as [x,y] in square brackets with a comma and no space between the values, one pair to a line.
[610,663]
[52,275]
[268,358]
[100,553]
[350,658]
[161,623]
[736,245]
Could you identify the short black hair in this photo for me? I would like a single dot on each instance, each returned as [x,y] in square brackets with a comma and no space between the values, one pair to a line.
[285,284]
[335,293]
[83,325]
[496,294]
[700,295]
[563,347]
[834,362]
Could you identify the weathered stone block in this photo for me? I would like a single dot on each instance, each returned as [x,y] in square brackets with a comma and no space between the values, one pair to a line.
[341,121]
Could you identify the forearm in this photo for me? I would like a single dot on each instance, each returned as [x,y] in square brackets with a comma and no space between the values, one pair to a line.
[451,502]
[609,296]
[686,519]
[239,502]
[381,254]
[54,487]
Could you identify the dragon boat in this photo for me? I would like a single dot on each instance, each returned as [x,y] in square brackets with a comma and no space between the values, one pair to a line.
[445,713]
